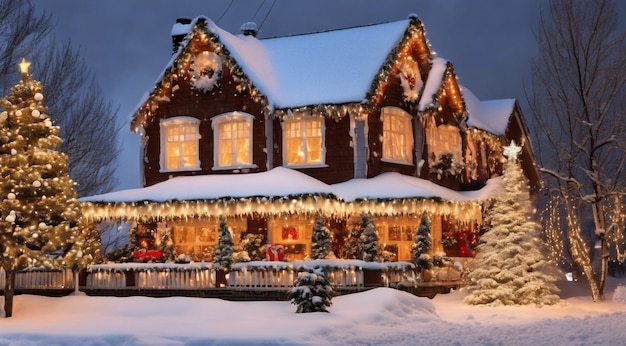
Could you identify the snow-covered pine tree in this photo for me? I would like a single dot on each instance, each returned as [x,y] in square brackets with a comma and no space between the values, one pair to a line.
[167,246]
[510,267]
[422,245]
[38,203]
[311,291]
[352,248]
[321,242]
[223,255]
[372,250]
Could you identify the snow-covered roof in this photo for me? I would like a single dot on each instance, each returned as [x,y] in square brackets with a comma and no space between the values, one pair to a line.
[321,68]
[491,115]
[277,182]
[433,83]
[328,68]
[282,181]
[392,185]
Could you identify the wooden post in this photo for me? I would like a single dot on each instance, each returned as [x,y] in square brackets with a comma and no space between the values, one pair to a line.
[9,290]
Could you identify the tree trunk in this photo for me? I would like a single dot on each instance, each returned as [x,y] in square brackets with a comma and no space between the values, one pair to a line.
[578,249]
[9,290]
[598,218]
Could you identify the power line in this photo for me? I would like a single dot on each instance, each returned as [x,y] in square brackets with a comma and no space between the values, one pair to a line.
[268,14]
[257,10]
[224,13]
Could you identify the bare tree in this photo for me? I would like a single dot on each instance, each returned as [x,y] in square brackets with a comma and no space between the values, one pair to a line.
[578,104]
[75,102]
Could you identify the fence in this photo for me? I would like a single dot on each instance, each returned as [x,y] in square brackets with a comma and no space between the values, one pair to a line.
[263,276]
[40,279]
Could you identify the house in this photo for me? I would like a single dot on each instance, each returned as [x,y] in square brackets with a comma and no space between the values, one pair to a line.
[270,132]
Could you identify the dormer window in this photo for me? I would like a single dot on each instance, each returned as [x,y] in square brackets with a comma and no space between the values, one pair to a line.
[232,135]
[179,144]
[397,136]
[303,141]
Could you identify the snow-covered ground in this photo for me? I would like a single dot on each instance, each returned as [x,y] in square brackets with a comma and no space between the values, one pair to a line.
[380,316]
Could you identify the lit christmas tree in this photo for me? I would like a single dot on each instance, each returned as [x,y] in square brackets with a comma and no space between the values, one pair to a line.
[321,242]
[167,246]
[352,248]
[39,211]
[369,240]
[510,267]
[423,244]
[225,247]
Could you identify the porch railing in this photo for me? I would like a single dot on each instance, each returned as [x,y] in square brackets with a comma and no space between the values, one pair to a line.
[262,275]
[40,279]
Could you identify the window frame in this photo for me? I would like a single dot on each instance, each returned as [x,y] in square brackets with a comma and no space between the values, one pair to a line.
[388,114]
[304,120]
[232,118]
[167,124]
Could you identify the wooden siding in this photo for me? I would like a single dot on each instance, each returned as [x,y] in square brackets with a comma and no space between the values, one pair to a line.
[189,102]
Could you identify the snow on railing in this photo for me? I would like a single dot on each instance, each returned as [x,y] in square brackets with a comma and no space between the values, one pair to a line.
[341,273]
[173,276]
[43,279]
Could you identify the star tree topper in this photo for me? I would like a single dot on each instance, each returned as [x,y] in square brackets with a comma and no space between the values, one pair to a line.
[512,151]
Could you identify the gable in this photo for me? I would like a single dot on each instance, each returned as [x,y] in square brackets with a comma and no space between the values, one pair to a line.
[327,68]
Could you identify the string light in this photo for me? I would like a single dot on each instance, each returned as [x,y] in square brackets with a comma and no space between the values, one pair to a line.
[464,212]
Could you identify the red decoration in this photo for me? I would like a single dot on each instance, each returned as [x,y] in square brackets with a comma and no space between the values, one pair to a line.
[464,239]
[143,255]
[276,253]
[290,233]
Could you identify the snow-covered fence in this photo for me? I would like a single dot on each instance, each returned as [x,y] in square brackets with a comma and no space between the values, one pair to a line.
[341,273]
[40,279]
[166,276]
[262,275]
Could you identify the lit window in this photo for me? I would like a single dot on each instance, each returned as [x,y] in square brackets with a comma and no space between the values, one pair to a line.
[232,140]
[397,136]
[303,141]
[179,144]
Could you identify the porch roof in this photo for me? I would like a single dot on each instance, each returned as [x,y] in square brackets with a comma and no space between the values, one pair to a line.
[285,191]
[285,182]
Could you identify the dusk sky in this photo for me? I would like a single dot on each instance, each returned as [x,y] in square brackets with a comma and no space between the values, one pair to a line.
[127,43]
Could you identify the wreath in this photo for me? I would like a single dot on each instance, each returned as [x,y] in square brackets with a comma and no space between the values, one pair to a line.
[290,233]
[205,70]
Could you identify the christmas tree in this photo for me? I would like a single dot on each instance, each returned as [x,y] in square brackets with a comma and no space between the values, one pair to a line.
[225,247]
[352,248]
[312,291]
[39,209]
[321,242]
[167,246]
[510,267]
[369,240]
[423,244]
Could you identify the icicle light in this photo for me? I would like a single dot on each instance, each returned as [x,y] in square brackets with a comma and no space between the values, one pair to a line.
[464,212]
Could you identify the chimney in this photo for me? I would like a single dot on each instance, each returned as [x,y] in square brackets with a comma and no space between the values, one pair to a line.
[249,29]
[179,31]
